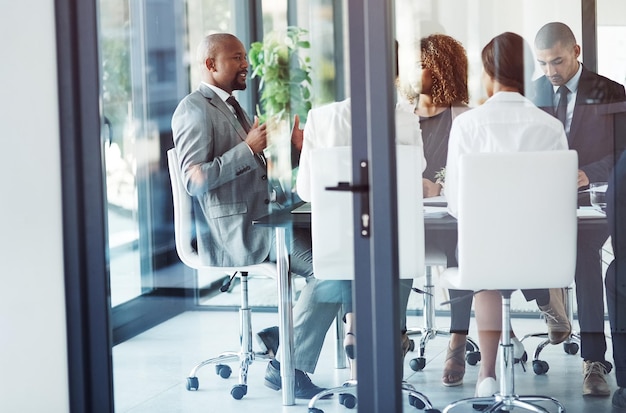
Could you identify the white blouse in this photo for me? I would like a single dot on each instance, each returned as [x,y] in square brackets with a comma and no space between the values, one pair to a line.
[506,122]
[331,126]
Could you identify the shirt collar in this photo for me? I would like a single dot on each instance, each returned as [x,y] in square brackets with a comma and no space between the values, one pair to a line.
[572,84]
[219,92]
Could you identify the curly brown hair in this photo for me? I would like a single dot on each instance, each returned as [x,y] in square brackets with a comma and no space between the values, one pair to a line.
[446,59]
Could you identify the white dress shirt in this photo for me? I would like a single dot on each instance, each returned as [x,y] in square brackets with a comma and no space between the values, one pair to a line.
[506,122]
[331,125]
[572,86]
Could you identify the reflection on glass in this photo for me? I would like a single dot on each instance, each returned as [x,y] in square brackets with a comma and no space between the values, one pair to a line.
[142,77]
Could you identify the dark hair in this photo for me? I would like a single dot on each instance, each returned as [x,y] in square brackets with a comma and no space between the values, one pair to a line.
[552,33]
[446,59]
[507,58]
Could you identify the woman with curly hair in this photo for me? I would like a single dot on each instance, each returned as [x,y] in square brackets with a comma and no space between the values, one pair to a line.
[442,96]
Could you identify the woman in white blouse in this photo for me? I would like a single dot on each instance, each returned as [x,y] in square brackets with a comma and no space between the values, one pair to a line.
[506,122]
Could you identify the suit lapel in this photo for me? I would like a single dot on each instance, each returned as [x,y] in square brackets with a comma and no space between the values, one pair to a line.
[219,104]
[585,86]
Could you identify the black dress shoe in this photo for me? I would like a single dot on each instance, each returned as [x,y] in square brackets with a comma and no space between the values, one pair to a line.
[268,340]
[305,389]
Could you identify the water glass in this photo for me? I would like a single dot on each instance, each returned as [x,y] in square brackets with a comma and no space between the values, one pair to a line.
[597,195]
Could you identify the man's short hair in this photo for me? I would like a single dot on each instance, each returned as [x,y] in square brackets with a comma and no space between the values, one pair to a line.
[552,33]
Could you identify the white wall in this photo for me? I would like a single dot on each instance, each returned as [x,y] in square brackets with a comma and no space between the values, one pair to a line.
[33,360]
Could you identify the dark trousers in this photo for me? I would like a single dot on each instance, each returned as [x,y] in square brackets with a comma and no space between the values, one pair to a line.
[589,293]
[616,273]
[616,304]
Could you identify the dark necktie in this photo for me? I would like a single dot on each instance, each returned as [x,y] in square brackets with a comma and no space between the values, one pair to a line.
[244,123]
[561,108]
[239,112]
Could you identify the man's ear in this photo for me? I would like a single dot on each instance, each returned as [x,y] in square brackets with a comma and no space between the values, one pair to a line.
[209,63]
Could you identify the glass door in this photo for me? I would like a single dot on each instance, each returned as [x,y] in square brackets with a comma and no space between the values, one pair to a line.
[140,87]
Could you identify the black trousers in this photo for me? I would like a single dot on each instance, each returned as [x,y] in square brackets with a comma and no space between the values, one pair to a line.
[590,293]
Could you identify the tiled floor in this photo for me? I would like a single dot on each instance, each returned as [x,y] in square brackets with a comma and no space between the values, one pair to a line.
[150,371]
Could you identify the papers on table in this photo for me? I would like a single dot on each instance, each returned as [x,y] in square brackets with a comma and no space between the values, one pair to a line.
[302,209]
[439,201]
[601,188]
[589,213]
[435,211]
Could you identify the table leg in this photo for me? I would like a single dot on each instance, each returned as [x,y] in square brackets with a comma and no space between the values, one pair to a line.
[287,367]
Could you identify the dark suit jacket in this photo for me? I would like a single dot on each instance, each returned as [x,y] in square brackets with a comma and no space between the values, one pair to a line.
[598,129]
[228,182]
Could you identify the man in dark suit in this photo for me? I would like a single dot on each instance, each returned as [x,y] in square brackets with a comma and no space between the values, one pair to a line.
[616,276]
[588,105]
[223,167]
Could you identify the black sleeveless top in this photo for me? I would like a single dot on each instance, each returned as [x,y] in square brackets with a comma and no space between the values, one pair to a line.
[435,135]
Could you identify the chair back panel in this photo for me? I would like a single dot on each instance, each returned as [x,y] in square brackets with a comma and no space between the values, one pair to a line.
[332,228]
[517,222]
[183,214]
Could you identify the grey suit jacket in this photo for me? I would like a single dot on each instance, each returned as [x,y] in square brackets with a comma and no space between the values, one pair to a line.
[228,182]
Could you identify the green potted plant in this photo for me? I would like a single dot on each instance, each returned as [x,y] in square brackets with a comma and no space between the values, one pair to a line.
[284,70]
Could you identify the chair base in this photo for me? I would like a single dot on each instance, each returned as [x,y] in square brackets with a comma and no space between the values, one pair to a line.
[348,397]
[429,331]
[497,403]
[472,352]
[506,399]
[245,355]
[570,346]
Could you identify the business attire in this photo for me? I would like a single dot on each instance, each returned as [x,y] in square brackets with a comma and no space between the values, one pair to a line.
[331,126]
[227,181]
[616,273]
[596,130]
[506,122]
[230,188]
[436,134]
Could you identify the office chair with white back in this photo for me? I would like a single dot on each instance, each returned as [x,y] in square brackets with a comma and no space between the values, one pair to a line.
[514,232]
[184,234]
[332,233]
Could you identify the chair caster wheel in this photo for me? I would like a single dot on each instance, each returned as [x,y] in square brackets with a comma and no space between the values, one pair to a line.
[411,345]
[347,400]
[570,348]
[417,364]
[540,367]
[416,402]
[472,358]
[432,411]
[315,410]
[192,383]
[239,391]
[223,370]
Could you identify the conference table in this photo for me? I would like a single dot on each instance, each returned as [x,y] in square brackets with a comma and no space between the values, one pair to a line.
[435,220]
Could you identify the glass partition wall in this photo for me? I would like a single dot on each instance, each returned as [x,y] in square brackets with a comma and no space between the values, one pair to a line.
[147,57]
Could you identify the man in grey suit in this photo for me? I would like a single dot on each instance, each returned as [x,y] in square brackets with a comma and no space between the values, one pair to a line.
[223,167]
